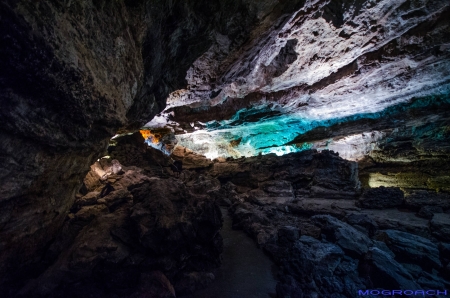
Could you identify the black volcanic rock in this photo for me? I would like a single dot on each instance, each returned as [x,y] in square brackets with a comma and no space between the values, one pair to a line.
[312,255]
[149,236]
[348,238]
[428,211]
[75,73]
[440,226]
[322,174]
[381,197]
[71,75]
[328,247]
[412,248]
[384,271]
[363,221]
[419,198]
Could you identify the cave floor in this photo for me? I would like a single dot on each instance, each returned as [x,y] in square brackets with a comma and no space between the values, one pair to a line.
[245,272]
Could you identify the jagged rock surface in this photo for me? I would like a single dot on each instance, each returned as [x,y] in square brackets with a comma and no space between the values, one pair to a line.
[71,74]
[310,172]
[144,236]
[329,246]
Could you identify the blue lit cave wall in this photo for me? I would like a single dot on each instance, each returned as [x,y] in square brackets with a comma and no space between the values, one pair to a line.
[268,129]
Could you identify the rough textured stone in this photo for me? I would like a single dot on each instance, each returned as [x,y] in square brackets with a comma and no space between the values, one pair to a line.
[386,272]
[381,197]
[335,177]
[428,211]
[348,238]
[333,67]
[72,74]
[412,248]
[277,188]
[440,226]
[326,256]
[190,159]
[366,262]
[398,220]
[361,220]
[150,237]
[419,198]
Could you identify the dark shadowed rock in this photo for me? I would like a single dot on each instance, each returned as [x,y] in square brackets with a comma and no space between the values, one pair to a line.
[385,272]
[289,287]
[381,197]
[420,198]
[413,269]
[277,188]
[412,248]
[89,199]
[288,235]
[312,255]
[322,174]
[398,220]
[363,221]
[320,269]
[225,195]
[149,237]
[447,271]
[432,281]
[382,246]
[116,198]
[428,211]
[154,284]
[189,282]
[444,249]
[440,226]
[313,206]
[352,241]
[190,159]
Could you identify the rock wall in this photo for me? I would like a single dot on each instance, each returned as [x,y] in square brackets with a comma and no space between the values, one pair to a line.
[72,73]
[307,173]
[132,235]
[332,243]
[66,86]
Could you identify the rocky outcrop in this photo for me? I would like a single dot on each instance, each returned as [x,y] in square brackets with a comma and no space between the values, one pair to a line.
[440,226]
[134,235]
[384,271]
[190,159]
[309,173]
[331,247]
[348,238]
[71,75]
[381,198]
[411,248]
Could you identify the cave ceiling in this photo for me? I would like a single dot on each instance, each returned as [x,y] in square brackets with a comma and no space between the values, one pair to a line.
[342,75]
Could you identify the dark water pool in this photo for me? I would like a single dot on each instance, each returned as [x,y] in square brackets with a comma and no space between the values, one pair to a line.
[245,272]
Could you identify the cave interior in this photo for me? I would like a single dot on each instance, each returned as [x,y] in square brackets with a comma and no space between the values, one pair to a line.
[232,148]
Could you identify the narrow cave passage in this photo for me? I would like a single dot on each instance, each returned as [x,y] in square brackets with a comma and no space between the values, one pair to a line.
[245,271]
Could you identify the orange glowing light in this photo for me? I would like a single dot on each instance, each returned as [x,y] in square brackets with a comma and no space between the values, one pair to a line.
[147,134]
